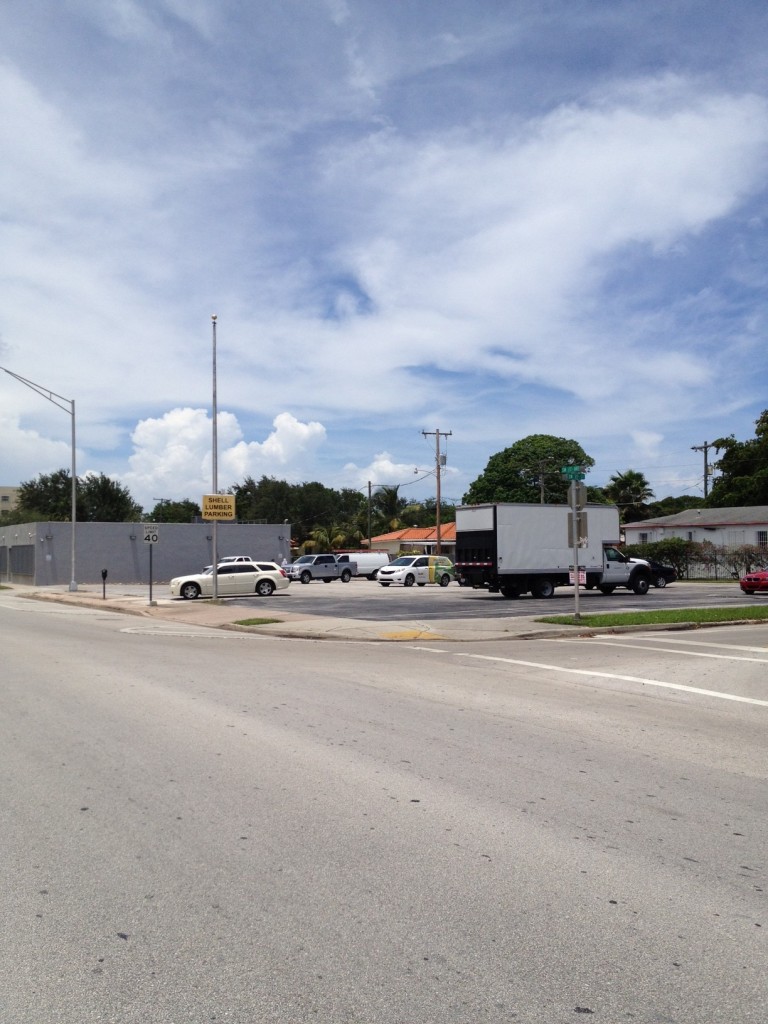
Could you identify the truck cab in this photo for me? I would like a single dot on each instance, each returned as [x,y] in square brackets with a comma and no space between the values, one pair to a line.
[621,571]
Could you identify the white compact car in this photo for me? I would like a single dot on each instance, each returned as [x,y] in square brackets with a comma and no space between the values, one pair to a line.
[233,579]
[418,569]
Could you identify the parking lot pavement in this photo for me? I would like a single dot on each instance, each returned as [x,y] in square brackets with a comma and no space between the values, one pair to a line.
[134,600]
[225,614]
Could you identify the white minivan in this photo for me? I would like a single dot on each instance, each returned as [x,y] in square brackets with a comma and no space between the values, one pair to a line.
[368,562]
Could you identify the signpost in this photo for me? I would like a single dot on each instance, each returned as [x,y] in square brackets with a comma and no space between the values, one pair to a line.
[216,507]
[151,537]
[577,498]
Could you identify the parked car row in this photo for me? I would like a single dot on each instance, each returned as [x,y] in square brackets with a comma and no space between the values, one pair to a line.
[241,576]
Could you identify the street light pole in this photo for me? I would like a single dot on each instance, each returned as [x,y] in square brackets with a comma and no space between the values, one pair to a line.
[57,401]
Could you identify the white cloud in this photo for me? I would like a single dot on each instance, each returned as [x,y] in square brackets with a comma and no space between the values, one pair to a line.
[286,452]
[382,470]
[24,449]
[172,453]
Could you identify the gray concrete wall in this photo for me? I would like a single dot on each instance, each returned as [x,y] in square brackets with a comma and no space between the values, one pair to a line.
[120,548]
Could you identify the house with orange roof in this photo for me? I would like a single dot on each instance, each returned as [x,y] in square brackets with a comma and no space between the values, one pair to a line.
[418,540]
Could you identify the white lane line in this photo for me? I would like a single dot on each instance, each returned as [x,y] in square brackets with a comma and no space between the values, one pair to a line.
[668,650]
[613,675]
[656,639]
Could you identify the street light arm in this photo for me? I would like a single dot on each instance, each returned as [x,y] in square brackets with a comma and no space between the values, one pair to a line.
[69,408]
[45,392]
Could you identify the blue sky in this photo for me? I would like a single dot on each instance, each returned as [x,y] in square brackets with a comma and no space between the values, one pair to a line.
[493,219]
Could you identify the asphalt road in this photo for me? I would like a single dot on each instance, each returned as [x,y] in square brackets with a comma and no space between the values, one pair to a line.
[363,599]
[208,826]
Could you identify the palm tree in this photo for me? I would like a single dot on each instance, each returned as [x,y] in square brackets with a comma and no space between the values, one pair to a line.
[387,507]
[324,539]
[630,491]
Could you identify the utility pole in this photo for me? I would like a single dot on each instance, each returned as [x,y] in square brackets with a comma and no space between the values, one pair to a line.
[439,463]
[369,515]
[704,448]
[544,466]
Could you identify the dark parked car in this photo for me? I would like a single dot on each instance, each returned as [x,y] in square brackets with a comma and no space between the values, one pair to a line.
[661,575]
[755,582]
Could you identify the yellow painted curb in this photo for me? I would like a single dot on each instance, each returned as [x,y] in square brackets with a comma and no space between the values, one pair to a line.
[412,634]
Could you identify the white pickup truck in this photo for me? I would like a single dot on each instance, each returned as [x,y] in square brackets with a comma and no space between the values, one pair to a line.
[320,567]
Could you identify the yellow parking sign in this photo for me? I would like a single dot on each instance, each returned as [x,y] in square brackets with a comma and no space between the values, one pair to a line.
[218,506]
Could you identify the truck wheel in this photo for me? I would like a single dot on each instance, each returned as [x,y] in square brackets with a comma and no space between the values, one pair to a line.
[306,576]
[606,588]
[346,575]
[509,590]
[445,579]
[190,591]
[409,580]
[543,587]
[641,585]
[264,588]
[660,581]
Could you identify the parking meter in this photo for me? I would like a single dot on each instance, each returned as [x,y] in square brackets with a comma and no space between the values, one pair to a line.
[103,583]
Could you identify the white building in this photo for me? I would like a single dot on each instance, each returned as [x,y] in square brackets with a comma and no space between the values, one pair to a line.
[724,527]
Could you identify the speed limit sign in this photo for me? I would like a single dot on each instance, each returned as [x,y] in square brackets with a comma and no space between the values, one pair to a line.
[150,533]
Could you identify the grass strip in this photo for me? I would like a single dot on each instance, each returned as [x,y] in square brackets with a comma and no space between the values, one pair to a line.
[256,622]
[660,617]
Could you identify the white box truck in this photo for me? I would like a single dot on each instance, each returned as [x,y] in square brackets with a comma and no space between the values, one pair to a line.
[515,549]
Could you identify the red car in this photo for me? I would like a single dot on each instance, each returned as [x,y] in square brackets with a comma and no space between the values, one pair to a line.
[755,582]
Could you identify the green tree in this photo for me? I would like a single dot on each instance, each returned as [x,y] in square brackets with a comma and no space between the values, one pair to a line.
[174,511]
[106,501]
[269,500]
[307,506]
[671,505]
[99,499]
[597,496]
[672,551]
[528,470]
[49,497]
[326,538]
[387,508]
[630,491]
[424,513]
[743,469]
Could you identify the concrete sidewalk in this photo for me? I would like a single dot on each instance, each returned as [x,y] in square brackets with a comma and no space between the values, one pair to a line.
[225,613]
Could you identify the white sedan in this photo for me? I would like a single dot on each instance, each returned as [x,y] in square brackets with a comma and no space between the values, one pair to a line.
[233,579]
